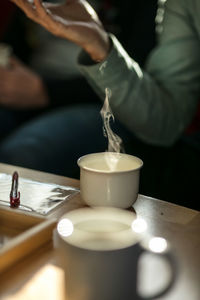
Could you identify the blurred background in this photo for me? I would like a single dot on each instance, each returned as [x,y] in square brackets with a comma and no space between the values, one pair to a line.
[44,68]
[53,60]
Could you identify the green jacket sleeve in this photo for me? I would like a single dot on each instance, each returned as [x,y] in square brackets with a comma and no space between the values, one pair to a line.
[157,103]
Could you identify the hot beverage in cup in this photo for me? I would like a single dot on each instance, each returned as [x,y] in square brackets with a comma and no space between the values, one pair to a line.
[109,179]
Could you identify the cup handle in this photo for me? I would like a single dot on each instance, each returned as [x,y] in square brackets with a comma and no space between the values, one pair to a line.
[172,262]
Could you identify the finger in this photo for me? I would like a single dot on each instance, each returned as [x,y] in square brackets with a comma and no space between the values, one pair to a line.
[40,8]
[44,15]
[47,19]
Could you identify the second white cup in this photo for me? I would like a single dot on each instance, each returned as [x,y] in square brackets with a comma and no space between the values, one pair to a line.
[100,250]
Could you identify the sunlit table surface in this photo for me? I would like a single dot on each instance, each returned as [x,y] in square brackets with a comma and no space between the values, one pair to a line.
[40,275]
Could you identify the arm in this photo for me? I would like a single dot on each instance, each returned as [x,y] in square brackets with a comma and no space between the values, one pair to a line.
[156,104]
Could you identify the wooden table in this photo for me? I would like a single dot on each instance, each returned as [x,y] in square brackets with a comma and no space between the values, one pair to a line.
[40,275]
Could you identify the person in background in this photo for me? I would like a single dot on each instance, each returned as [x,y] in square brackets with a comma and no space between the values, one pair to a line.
[35,80]
[155,105]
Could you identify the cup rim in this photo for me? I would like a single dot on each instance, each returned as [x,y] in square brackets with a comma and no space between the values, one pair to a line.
[74,239]
[80,159]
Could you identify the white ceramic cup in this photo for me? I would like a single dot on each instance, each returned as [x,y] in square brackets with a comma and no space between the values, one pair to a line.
[100,250]
[109,179]
[5,53]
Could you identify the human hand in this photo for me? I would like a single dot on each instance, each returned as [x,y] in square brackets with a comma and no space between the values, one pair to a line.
[74,20]
[21,88]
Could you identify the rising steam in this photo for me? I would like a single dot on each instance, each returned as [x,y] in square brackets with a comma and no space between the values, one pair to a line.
[114,141]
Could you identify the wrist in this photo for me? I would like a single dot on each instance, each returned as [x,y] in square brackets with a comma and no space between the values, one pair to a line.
[99,50]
